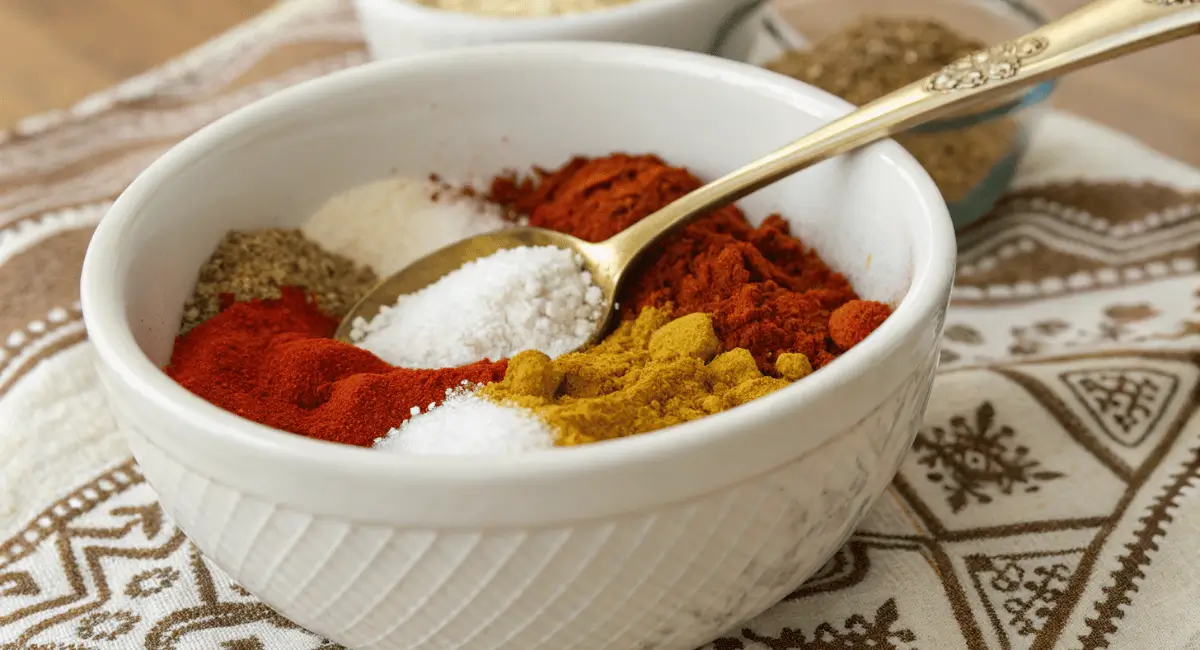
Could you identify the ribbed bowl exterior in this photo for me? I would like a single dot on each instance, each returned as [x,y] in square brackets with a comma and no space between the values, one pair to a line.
[669,579]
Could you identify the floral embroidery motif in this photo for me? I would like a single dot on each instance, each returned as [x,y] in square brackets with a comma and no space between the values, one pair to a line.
[1032,597]
[1115,324]
[1031,339]
[105,626]
[978,460]
[151,582]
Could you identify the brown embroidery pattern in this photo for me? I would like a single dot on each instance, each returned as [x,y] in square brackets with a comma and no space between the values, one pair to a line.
[1115,324]
[151,582]
[106,626]
[848,567]
[1030,339]
[56,338]
[1123,580]
[96,531]
[59,514]
[976,460]
[1126,403]
[851,564]
[1188,328]
[34,328]
[1058,393]
[1109,207]
[1073,238]
[20,583]
[1019,591]
[880,631]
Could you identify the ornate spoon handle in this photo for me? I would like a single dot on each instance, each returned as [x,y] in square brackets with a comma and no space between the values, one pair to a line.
[1097,32]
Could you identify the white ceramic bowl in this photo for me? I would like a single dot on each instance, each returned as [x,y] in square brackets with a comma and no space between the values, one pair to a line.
[394,28]
[657,541]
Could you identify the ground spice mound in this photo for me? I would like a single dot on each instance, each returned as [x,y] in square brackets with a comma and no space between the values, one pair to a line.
[875,55]
[256,264]
[651,373]
[595,198]
[272,361]
[854,321]
[766,291]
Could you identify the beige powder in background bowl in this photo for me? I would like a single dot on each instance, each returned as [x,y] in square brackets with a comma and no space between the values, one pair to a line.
[399,28]
[522,8]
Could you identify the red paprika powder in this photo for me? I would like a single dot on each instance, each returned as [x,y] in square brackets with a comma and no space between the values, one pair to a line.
[272,361]
[850,323]
[766,291]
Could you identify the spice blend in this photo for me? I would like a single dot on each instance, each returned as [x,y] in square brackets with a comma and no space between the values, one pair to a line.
[877,55]
[719,314]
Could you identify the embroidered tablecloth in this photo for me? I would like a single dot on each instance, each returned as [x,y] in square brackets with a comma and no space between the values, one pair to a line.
[1049,500]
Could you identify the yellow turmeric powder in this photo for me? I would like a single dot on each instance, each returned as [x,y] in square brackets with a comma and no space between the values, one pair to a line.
[651,373]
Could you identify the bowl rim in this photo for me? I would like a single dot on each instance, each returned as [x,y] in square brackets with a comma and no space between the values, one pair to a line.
[103,284]
[632,11]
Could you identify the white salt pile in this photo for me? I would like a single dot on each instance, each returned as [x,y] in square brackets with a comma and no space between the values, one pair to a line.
[528,298]
[391,223]
[467,424]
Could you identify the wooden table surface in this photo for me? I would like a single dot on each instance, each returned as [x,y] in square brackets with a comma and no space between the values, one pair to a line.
[53,52]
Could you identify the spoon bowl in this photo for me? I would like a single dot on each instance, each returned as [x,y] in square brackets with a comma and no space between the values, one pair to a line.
[597,259]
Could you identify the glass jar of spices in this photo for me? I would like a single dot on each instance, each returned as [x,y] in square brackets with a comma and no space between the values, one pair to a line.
[861,50]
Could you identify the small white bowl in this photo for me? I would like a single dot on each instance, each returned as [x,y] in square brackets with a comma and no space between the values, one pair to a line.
[394,28]
[662,540]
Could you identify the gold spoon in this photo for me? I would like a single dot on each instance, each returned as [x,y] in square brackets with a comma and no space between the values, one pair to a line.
[1102,30]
